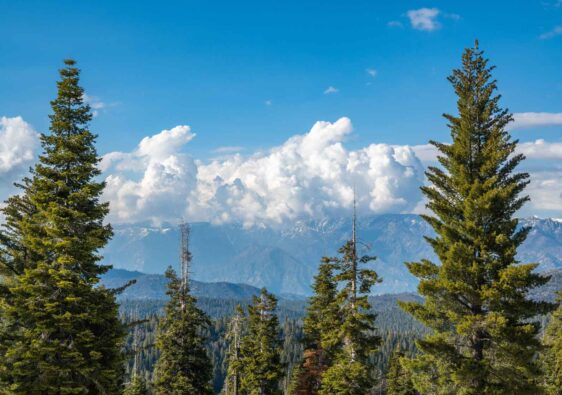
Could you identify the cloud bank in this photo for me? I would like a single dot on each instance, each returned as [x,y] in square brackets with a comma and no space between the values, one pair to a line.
[18,145]
[309,176]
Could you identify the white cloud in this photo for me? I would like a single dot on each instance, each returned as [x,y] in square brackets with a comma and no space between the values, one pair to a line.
[557,31]
[228,149]
[545,191]
[524,120]
[18,144]
[329,90]
[167,178]
[310,175]
[95,103]
[268,102]
[541,150]
[424,19]
[395,24]
[372,72]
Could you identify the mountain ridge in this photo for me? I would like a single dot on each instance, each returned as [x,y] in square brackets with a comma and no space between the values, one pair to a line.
[285,259]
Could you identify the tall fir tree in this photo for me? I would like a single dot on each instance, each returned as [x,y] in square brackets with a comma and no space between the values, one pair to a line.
[398,380]
[321,323]
[484,338]
[260,349]
[183,368]
[552,356]
[234,336]
[351,373]
[65,333]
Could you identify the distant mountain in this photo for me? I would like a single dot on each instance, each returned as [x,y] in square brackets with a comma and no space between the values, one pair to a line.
[285,260]
[153,286]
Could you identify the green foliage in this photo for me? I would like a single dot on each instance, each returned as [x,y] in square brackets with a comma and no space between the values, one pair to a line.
[398,381]
[320,326]
[260,364]
[484,337]
[346,377]
[137,386]
[183,366]
[552,357]
[60,333]
[353,339]
[233,336]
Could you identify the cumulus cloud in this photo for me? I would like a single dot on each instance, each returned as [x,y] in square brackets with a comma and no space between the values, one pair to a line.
[310,175]
[545,191]
[424,19]
[541,149]
[18,144]
[329,90]
[522,120]
[167,176]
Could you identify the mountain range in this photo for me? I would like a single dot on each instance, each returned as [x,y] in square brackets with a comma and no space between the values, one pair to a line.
[285,259]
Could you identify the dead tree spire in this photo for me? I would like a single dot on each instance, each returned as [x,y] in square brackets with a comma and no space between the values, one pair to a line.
[185,258]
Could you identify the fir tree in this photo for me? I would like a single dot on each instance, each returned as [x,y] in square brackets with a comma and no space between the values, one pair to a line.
[552,357]
[260,350]
[398,380]
[320,324]
[234,337]
[351,372]
[184,368]
[65,333]
[137,386]
[484,337]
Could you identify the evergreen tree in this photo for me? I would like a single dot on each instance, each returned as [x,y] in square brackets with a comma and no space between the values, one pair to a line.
[234,337]
[552,358]
[398,381]
[137,386]
[320,324]
[65,333]
[484,338]
[184,368]
[261,367]
[351,371]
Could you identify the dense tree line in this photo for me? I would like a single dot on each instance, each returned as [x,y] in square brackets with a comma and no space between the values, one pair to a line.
[62,333]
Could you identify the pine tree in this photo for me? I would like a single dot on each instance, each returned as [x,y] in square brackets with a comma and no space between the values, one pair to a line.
[184,368]
[484,338]
[398,380]
[260,349]
[351,372]
[320,324]
[552,357]
[234,337]
[65,332]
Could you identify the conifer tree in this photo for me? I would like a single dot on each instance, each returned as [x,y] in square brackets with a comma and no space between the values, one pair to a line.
[484,338]
[350,373]
[184,368]
[260,350]
[137,386]
[552,357]
[65,333]
[320,326]
[234,338]
[398,381]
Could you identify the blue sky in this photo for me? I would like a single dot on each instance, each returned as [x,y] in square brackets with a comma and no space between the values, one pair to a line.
[252,74]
